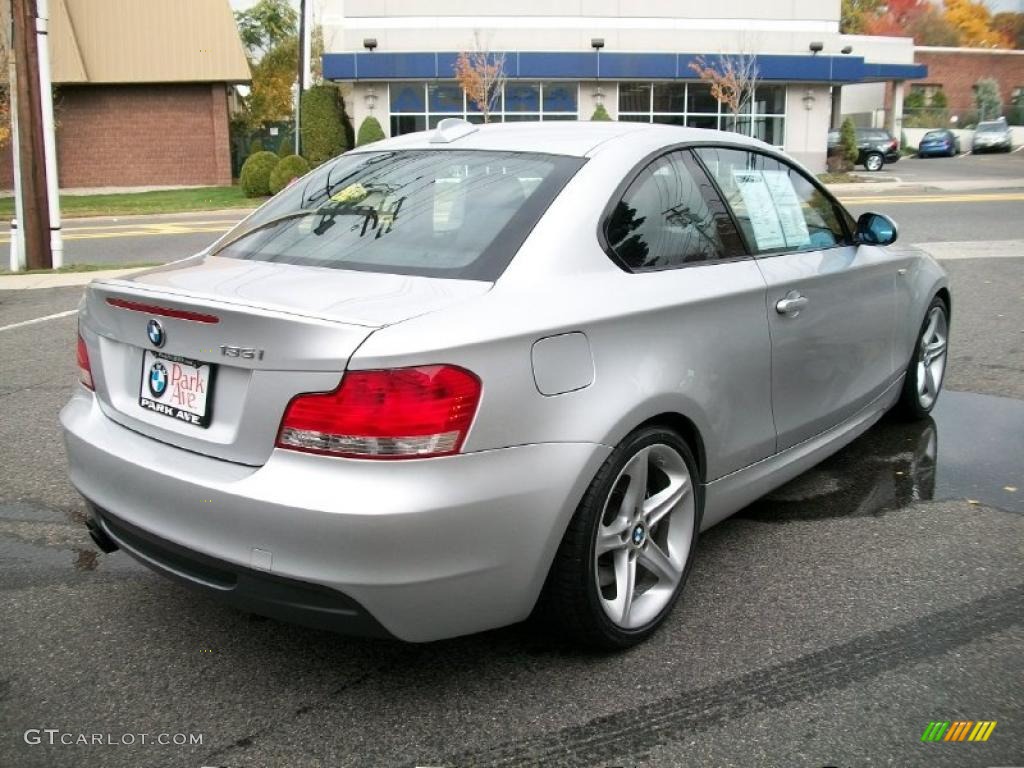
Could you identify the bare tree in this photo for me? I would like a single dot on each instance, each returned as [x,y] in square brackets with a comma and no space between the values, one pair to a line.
[481,75]
[733,78]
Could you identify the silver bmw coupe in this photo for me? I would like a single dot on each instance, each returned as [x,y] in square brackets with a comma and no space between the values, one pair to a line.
[456,378]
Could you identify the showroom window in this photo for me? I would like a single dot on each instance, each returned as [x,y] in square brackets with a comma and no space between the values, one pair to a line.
[692,105]
[416,106]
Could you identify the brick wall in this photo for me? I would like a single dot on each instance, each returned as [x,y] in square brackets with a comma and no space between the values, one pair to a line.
[139,135]
[958,71]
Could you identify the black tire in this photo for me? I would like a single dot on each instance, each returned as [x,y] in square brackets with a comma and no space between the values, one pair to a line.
[570,604]
[910,407]
[874,158]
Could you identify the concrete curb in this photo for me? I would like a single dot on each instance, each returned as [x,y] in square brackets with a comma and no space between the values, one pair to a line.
[60,279]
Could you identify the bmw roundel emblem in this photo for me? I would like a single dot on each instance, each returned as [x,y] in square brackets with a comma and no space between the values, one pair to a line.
[155,331]
[157,379]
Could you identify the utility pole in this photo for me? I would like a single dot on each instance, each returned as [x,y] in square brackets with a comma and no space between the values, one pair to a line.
[17,261]
[34,226]
[305,78]
[49,137]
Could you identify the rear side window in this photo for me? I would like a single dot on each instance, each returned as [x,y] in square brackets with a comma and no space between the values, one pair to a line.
[670,216]
[776,206]
[445,213]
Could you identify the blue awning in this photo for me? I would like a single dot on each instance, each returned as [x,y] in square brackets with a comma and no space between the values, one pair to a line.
[557,65]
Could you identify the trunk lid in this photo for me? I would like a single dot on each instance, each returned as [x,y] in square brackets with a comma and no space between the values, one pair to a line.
[267,332]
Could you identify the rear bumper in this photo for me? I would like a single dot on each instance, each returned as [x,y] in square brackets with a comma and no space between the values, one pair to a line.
[417,549]
[290,600]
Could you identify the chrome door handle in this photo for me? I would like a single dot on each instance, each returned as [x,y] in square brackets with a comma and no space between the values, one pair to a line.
[792,304]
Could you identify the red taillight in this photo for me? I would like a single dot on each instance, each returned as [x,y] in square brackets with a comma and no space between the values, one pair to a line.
[895,145]
[84,369]
[402,413]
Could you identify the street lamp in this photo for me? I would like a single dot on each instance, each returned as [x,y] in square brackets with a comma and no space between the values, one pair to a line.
[808,100]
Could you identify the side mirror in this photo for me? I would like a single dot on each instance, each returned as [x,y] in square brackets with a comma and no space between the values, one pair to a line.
[876,229]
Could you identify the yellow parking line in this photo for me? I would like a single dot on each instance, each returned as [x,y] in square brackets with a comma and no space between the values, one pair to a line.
[898,199]
[154,231]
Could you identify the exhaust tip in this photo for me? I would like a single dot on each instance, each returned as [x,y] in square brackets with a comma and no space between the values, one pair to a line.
[100,537]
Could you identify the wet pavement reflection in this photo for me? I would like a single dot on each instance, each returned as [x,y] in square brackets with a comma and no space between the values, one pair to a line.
[971,448]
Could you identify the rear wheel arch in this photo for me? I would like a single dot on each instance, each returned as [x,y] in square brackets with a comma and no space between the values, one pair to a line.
[687,430]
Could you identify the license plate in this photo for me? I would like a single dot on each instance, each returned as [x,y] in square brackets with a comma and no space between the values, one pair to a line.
[176,387]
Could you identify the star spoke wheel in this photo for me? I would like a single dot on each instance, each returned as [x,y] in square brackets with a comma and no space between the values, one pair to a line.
[644,536]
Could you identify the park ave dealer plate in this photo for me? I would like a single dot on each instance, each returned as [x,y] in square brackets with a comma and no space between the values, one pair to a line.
[176,387]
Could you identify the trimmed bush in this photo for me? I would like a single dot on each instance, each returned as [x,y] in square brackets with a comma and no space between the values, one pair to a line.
[286,146]
[600,113]
[322,124]
[369,131]
[255,175]
[848,143]
[287,168]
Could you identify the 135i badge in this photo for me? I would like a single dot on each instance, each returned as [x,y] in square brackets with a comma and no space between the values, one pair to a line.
[246,353]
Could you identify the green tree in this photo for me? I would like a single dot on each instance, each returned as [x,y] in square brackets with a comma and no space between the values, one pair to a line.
[265,25]
[855,15]
[848,143]
[987,98]
[369,131]
[322,124]
[600,113]
[273,78]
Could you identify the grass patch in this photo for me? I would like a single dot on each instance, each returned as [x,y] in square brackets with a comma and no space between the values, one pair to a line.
[68,268]
[839,178]
[160,201]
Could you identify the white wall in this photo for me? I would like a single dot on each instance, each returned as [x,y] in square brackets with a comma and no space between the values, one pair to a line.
[355,104]
[808,128]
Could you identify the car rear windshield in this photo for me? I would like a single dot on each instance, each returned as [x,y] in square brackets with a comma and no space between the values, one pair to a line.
[991,127]
[934,135]
[445,213]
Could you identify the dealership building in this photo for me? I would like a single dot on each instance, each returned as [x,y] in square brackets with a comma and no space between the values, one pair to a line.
[396,60]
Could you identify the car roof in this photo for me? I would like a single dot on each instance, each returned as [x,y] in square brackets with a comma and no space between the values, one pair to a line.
[579,139]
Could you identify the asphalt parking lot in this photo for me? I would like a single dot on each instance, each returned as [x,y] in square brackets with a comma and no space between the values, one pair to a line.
[825,625]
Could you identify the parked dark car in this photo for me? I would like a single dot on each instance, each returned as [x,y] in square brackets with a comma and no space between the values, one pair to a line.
[941,143]
[992,136]
[875,147]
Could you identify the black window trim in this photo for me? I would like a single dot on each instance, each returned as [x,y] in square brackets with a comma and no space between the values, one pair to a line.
[623,186]
[842,214]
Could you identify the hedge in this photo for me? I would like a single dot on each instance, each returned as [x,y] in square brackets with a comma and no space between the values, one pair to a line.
[369,131]
[322,124]
[255,174]
[287,168]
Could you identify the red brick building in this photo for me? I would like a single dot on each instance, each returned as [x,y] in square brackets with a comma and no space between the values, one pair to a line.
[142,92]
[956,70]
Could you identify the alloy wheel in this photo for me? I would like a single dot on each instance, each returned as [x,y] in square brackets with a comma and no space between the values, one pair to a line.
[644,536]
[931,356]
